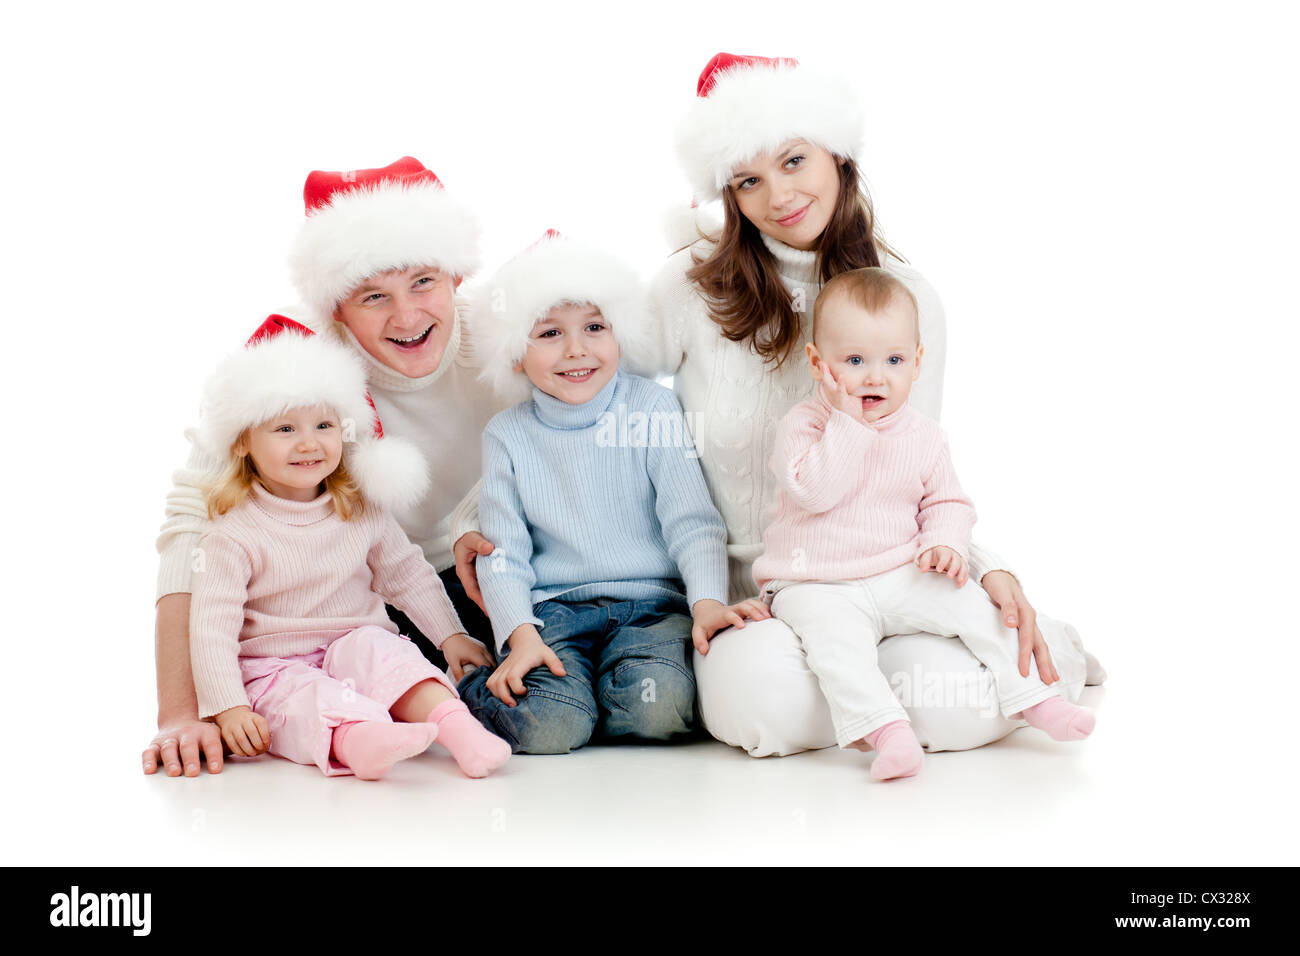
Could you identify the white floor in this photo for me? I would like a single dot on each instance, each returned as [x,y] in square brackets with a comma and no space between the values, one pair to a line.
[1024,800]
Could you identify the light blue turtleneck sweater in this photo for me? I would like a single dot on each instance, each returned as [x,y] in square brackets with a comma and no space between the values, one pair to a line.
[603,499]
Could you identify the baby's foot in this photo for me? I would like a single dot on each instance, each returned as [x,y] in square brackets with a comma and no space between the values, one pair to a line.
[1060,719]
[371,747]
[477,751]
[898,752]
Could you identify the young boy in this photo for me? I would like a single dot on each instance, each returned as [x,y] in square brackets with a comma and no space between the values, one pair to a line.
[610,557]
[869,503]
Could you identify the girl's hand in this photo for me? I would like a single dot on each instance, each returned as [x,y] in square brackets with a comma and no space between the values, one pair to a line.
[179,742]
[839,396]
[712,616]
[460,650]
[527,651]
[468,547]
[1017,612]
[244,732]
[943,560]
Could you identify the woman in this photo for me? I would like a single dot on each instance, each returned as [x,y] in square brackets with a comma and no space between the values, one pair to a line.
[377,264]
[776,142]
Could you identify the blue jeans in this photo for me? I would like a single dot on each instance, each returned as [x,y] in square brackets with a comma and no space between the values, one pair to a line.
[627,673]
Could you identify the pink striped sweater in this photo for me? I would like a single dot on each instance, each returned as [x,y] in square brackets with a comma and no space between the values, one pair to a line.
[280,578]
[857,499]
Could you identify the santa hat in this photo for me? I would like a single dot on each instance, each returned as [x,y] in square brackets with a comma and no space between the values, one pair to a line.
[366,221]
[552,270]
[285,366]
[746,105]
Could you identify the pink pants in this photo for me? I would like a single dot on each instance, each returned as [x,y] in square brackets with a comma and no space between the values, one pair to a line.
[357,677]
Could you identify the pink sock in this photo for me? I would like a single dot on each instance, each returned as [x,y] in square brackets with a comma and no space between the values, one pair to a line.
[477,751]
[1061,719]
[371,747]
[898,752]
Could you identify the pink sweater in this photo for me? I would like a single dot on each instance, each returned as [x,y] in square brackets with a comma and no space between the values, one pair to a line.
[857,499]
[280,578]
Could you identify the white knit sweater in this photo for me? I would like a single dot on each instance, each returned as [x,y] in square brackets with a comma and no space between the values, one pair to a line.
[734,401]
[443,413]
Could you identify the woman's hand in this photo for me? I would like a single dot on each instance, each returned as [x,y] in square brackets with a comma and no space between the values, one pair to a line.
[244,732]
[460,650]
[179,742]
[468,547]
[527,651]
[712,616]
[1017,612]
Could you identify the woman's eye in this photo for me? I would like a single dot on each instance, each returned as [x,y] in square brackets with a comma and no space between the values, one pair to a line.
[747,183]
[794,161]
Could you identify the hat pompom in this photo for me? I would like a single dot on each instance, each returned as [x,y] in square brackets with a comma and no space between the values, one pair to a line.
[391,472]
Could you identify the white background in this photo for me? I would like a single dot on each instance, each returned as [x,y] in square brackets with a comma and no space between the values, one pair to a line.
[1103,194]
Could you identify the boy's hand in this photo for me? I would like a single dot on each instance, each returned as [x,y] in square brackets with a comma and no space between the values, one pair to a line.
[460,650]
[712,616]
[943,560]
[839,396]
[466,549]
[244,732]
[527,651]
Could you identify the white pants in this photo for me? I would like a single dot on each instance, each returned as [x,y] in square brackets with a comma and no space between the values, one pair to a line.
[839,624]
[756,691]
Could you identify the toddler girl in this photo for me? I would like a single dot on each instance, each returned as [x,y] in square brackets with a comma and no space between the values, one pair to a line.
[868,504]
[610,557]
[291,647]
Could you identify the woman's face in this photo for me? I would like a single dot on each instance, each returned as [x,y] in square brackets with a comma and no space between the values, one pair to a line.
[402,318]
[789,193]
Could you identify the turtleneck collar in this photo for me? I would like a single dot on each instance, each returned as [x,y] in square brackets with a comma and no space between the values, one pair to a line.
[381,376]
[792,263]
[895,421]
[558,414]
[285,511]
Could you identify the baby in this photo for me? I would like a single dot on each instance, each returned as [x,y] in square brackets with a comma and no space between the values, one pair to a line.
[610,557]
[872,531]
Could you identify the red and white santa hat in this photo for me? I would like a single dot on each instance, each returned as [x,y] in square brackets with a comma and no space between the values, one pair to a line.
[552,271]
[746,105]
[365,221]
[284,366]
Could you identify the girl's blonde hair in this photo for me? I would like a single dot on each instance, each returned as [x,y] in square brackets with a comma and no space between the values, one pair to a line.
[235,483]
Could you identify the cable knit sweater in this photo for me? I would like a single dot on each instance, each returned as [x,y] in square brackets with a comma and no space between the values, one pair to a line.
[443,413]
[859,498]
[282,578]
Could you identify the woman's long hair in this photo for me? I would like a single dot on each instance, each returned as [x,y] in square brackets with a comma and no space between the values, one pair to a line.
[743,288]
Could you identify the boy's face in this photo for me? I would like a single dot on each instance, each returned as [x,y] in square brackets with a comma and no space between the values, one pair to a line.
[572,353]
[874,354]
[403,318]
[296,451]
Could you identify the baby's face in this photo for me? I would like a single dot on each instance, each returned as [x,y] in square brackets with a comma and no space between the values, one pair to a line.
[572,353]
[874,354]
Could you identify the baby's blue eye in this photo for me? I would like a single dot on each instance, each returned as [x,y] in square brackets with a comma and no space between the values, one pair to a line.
[855,359]
[895,360]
